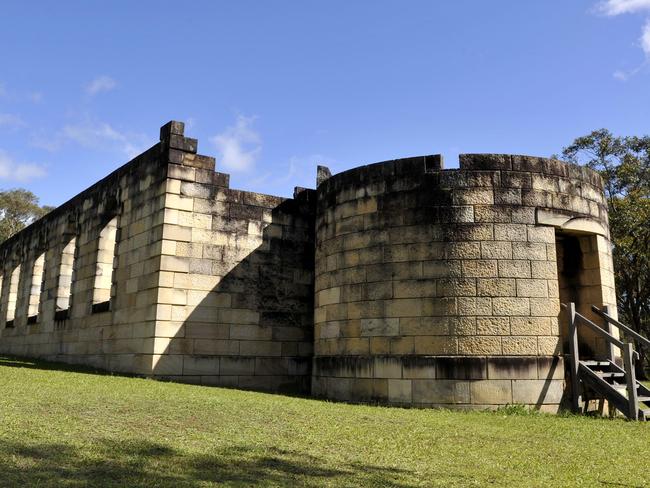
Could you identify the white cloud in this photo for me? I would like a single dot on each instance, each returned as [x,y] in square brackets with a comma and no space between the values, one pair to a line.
[239,145]
[101,135]
[621,75]
[11,121]
[91,134]
[100,84]
[297,171]
[645,39]
[618,7]
[21,172]
[20,96]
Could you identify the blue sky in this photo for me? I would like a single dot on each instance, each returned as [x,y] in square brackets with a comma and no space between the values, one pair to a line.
[274,88]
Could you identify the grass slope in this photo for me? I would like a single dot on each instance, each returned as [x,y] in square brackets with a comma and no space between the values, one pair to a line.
[66,427]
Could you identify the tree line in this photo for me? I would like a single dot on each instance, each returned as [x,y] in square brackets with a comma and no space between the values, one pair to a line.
[18,209]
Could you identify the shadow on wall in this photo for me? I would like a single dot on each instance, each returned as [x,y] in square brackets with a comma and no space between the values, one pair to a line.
[254,329]
[142,463]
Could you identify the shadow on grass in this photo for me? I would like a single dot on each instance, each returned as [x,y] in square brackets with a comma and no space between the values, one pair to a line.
[30,363]
[143,463]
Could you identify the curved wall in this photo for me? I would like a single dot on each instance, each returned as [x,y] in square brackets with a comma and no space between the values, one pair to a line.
[440,287]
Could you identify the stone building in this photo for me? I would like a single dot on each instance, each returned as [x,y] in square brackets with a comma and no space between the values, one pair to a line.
[398,282]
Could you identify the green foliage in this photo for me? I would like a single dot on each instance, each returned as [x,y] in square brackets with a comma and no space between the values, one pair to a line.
[624,163]
[74,428]
[517,409]
[18,208]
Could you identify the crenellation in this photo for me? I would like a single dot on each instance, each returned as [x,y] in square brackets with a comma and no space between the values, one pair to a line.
[397,282]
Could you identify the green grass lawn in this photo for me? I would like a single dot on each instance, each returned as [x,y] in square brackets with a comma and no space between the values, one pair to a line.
[66,427]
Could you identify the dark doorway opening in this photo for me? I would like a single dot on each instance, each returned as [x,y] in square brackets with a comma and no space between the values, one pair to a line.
[578,270]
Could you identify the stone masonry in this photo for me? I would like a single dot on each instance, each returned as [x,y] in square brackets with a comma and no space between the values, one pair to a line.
[398,283]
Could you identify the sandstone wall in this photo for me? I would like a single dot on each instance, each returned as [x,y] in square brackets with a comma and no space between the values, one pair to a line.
[160,269]
[65,309]
[236,283]
[399,282]
[439,288]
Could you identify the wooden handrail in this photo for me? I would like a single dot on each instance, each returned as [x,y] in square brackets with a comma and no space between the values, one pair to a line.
[626,348]
[621,326]
[608,337]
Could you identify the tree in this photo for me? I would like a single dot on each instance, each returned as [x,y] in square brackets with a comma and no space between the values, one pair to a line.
[18,208]
[624,164]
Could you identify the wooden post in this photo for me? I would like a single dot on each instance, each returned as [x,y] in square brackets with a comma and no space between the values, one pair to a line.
[630,375]
[610,328]
[575,357]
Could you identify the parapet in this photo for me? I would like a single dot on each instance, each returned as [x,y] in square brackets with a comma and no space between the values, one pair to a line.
[399,282]
[442,287]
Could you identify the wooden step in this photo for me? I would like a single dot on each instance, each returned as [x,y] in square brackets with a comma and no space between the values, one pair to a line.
[644,399]
[609,374]
[623,386]
[596,363]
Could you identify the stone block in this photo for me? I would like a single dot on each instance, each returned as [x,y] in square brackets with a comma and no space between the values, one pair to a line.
[495,287]
[473,196]
[549,346]
[492,326]
[541,234]
[479,346]
[379,290]
[530,250]
[433,391]
[511,306]
[405,307]
[200,365]
[532,287]
[544,270]
[166,364]
[550,368]
[544,307]
[236,366]
[516,268]
[454,287]
[387,367]
[480,268]
[474,305]
[379,345]
[488,392]
[442,269]
[435,345]
[329,296]
[507,196]
[493,213]
[532,326]
[496,250]
[402,345]
[461,325]
[519,345]
[510,232]
[423,326]
[512,367]
[380,327]
[414,288]
[399,391]
[537,392]
[463,250]
[260,348]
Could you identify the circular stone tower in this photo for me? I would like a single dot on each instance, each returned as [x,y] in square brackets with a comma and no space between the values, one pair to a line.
[442,287]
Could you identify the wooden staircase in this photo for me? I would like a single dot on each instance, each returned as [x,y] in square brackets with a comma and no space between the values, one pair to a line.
[604,379]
